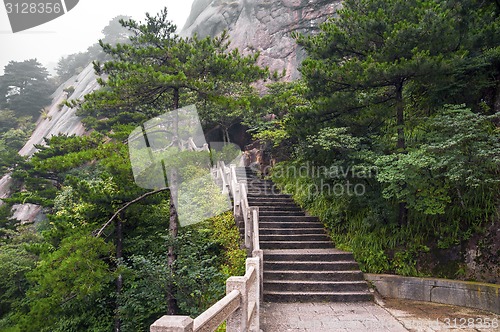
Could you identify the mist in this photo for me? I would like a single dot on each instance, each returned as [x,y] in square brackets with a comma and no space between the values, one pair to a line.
[78,29]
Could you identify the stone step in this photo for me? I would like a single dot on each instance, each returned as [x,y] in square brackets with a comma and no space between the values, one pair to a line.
[329,255]
[294,237]
[288,296]
[273,203]
[277,197]
[264,188]
[289,225]
[263,192]
[259,185]
[315,286]
[279,213]
[310,266]
[260,202]
[288,219]
[280,208]
[248,174]
[254,195]
[300,262]
[296,275]
[261,182]
[296,244]
[291,231]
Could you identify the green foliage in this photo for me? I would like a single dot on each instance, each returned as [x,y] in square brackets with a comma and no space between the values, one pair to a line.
[142,83]
[76,271]
[455,161]
[16,260]
[208,254]
[73,271]
[369,124]
[375,96]
[227,235]
[14,132]
[283,104]
[69,90]
[143,299]
[24,88]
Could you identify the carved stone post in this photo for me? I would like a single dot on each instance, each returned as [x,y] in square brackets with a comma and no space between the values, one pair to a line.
[173,324]
[237,322]
[254,292]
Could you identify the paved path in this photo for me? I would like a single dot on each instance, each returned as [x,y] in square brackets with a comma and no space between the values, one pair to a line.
[384,316]
[322,317]
[429,317]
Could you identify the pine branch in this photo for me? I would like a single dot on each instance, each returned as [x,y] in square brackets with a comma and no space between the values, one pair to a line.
[124,207]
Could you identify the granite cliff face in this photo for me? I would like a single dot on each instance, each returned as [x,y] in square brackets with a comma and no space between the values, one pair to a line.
[259,25]
[262,25]
[57,120]
[60,119]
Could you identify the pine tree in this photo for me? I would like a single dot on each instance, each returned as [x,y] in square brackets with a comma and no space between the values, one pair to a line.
[159,71]
[381,62]
[24,88]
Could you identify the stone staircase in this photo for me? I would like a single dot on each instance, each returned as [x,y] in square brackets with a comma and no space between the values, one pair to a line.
[300,262]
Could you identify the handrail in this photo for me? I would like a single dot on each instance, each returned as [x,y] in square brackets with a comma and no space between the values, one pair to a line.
[245,213]
[240,308]
[225,184]
[234,178]
[256,233]
[218,313]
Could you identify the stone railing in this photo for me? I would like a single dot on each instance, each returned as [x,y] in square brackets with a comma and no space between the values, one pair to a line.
[240,308]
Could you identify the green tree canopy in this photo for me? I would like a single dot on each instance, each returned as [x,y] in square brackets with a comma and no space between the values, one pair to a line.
[370,60]
[379,65]
[159,71]
[24,88]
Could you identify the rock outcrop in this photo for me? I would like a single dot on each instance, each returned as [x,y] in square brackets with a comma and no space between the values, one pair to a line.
[262,25]
[5,184]
[57,119]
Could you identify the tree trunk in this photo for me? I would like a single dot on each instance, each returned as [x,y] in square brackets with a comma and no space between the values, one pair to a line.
[173,230]
[496,106]
[401,146]
[400,110]
[173,226]
[119,279]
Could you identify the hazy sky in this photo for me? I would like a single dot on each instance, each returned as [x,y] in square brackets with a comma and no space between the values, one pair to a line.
[78,29]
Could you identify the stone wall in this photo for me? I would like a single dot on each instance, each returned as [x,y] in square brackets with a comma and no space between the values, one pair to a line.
[461,293]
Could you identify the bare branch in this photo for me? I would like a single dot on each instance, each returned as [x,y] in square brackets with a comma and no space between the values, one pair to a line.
[123,208]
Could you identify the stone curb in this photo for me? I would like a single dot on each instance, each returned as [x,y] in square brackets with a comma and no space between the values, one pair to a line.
[460,293]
